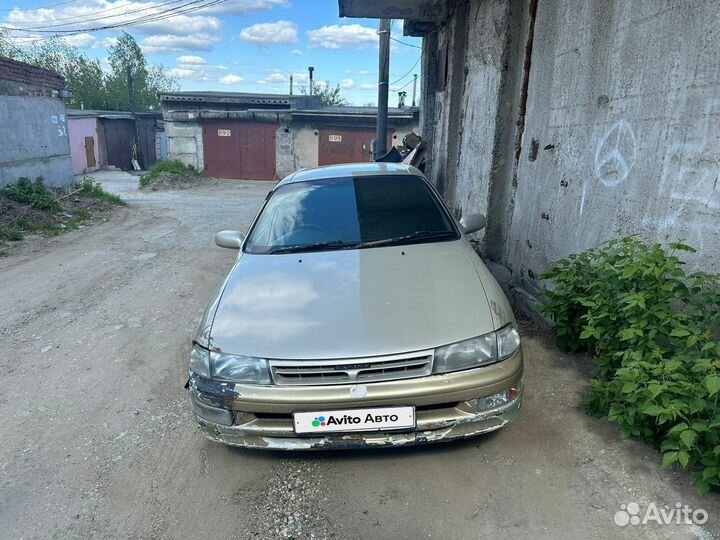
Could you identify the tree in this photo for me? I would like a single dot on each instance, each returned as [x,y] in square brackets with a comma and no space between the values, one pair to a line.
[7,48]
[91,87]
[126,57]
[329,95]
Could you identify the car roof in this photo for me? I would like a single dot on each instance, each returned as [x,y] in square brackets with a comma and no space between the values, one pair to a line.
[347,170]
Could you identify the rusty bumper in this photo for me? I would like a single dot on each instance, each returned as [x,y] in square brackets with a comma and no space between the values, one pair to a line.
[447,406]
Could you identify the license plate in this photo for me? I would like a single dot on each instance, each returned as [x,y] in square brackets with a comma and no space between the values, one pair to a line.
[376,419]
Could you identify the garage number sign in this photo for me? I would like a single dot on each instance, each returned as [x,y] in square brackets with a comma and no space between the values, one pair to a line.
[224,133]
[335,138]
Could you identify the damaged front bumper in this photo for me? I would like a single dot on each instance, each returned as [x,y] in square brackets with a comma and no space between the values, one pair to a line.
[448,407]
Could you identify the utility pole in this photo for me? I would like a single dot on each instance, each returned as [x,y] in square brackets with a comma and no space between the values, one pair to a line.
[131,89]
[310,71]
[383,79]
[414,85]
[291,84]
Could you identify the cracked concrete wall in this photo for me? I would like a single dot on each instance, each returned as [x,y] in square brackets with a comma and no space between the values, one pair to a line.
[472,121]
[622,131]
[618,131]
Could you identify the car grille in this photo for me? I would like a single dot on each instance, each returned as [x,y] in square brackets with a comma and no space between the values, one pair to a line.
[352,370]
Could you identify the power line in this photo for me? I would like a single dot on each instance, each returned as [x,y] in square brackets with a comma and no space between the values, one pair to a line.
[408,73]
[404,43]
[403,86]
[153,17]
[91,16]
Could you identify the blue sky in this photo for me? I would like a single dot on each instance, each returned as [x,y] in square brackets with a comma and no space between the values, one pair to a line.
[233,45]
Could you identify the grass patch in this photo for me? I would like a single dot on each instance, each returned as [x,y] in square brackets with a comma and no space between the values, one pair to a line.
[90,188]
[30,207]
[169,175]
[33,194]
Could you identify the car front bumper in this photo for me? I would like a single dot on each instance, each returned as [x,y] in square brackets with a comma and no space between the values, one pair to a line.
[446,408]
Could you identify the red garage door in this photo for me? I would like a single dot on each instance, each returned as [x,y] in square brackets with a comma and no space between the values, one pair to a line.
[345,145]
[239,149]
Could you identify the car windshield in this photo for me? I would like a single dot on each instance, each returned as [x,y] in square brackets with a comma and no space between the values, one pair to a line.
[350,213]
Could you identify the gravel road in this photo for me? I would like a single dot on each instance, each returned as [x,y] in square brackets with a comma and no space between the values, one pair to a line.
[98,440]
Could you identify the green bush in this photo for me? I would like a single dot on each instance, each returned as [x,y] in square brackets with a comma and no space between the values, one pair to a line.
[25,191]
[172,167]
[91,188]
[653,330]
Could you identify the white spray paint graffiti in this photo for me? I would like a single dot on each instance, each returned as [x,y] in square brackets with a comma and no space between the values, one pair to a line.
[615,154]
[688,201]
[614,157]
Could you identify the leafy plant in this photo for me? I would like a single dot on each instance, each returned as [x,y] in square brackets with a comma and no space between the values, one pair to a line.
[654,332]
[91,188]
[35,194]
[172,167]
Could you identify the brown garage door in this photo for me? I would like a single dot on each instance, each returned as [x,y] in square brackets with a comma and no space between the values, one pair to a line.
[239,149]
[345,145]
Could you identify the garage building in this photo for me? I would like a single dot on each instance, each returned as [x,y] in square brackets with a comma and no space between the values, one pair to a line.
[268,136]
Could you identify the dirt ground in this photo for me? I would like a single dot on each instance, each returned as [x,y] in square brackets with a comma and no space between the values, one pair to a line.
[98,440]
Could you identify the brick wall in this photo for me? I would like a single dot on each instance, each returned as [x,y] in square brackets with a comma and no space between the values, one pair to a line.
[21,79]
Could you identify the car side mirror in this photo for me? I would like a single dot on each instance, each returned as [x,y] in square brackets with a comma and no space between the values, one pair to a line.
[229,239]
[472,223]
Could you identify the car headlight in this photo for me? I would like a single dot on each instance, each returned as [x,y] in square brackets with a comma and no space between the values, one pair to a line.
[508,341]
[477,352]
[200,361]
[240,369]
[229,367]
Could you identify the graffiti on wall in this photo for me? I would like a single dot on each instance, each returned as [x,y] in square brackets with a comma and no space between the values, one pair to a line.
[688,198]
[615,154]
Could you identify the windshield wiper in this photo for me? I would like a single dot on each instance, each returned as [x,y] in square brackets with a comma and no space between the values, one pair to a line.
[318,246]
[408,238]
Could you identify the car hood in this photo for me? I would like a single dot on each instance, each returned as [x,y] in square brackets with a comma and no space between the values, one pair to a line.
[352,303]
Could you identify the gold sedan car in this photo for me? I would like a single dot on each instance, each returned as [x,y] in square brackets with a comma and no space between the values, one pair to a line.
[356,315]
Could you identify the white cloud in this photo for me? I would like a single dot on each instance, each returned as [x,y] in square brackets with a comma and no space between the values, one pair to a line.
[243,7]
[191,59]
[190,74]
[230,79]
[346,84]
[276,77]
[297,52]
[195,68]
[109,42]
[81,41]
[82,14]
[342,35]
[262,82]
[366,86]
[163,44]
[280,32]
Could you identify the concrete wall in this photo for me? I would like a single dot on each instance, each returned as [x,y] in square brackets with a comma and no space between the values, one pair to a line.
[284,152]
[185,143]
[624,108]
[37,141]
[306,147]
[577,123]
[33,126]
[78,129]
